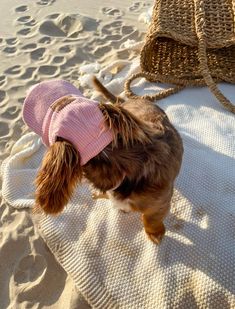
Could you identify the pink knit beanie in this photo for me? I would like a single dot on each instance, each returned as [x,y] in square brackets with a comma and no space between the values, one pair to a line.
[80,122]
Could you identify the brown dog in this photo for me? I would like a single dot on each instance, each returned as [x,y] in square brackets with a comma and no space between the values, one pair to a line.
[137,169]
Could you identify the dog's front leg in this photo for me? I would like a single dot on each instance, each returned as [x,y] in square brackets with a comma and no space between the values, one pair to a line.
[153,222]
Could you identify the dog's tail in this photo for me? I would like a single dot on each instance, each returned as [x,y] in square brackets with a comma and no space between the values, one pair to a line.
[108,95]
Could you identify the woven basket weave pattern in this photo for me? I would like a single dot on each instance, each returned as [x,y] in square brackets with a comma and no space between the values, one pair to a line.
[181,61]
[176,19]
[190,43]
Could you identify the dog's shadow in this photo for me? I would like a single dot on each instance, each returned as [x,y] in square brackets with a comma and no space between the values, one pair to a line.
[201,224]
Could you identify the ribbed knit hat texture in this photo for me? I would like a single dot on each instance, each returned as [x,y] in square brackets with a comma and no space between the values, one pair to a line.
[81,122]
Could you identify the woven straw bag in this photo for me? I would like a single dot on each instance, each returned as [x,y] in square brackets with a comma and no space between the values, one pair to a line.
[189,43]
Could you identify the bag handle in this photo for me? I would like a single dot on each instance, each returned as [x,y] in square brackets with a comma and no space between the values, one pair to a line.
[157,96]
[179,84]
[202,55]
[153,77]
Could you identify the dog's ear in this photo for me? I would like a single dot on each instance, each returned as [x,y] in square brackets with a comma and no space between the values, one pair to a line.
[59,173]
[125,126]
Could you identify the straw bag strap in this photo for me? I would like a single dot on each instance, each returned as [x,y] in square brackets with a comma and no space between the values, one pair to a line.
[179,84]
[202,55]
[157,96]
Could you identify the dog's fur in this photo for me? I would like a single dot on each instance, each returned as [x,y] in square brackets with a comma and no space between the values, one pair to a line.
[137,169]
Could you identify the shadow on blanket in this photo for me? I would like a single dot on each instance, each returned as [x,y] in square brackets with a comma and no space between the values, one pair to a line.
[209,224]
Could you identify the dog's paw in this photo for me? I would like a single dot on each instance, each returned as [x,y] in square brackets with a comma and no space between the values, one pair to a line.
[96,195]
[158,235]
[156,238]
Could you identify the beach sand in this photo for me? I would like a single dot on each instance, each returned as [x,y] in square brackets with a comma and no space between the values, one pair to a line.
[41,40]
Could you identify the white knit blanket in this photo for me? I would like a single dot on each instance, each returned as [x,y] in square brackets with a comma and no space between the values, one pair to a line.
[107,252]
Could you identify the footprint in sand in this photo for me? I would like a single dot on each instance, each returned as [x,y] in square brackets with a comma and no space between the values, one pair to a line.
[3,80]
[65,49]
[16,131]
[101,51]
[2,96]
[30,271]
[38,54]
[53,16]
[48,70]
[26,20]
[127,30]
[45,2]
[135,7]
[15,70]
[61,25]
[4,129]
[31,23]
[112,38]
[29,73]
[24,31]
[21,100]
[11,113]
[45,40]
[12,41]
[112,12]
[9,50]
[116,33]
[112,28]
[59,60]
[29,47]
[22,8]
[49,28]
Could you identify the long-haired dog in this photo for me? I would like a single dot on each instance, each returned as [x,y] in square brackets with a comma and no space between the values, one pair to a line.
[129,150]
